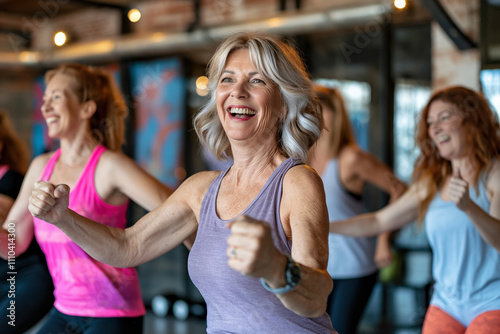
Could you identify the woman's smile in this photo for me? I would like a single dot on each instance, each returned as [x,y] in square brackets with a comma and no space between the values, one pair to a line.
[241,113]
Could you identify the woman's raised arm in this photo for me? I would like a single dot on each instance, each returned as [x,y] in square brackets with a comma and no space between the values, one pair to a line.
[154,234]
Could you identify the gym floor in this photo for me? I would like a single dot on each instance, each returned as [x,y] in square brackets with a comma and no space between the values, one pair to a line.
[170,325]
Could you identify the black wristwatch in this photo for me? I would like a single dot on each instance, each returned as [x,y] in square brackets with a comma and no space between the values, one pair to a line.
[292,278]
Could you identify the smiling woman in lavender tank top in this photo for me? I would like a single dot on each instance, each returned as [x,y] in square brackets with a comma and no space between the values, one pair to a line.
[261,248]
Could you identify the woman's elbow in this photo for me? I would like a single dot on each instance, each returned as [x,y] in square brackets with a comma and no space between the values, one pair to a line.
[315,310]
[320,307]
[317,306]
[319,310]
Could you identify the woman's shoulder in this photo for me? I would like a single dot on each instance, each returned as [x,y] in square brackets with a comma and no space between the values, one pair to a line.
[201,180]
[193,189]
[41,160]
[495,167]
[493,180]
[302,175]
[117,161]
[302,191]
[38,165]
[111,158]
[197,183]
[352,156]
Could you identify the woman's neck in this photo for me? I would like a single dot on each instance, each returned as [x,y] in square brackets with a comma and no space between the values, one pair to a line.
[249,167]
[466,167]
[76,152]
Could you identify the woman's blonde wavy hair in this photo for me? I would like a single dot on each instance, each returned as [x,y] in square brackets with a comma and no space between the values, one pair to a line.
[281,63]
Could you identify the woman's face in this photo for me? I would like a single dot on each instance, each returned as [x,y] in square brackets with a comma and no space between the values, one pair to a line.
[446,129]
[60,107]
[249,104]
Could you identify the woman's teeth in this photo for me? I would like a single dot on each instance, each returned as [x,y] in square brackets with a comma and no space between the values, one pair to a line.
[241,111]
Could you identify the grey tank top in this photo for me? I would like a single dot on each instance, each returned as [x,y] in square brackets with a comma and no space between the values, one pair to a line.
[350,257]
[237,303]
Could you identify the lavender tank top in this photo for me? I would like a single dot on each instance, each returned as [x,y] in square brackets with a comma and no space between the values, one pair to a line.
[237,303]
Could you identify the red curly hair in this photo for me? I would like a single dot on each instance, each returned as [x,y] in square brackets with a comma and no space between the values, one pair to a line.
[13,151]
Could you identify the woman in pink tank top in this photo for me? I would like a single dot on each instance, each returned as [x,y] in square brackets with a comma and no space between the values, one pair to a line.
[84,110]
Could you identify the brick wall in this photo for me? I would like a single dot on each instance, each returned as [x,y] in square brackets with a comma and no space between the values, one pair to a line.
[168,16]
[18,102]
[86,25]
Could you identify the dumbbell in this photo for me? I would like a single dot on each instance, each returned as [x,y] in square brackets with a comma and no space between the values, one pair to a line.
[162,304]
[184,308]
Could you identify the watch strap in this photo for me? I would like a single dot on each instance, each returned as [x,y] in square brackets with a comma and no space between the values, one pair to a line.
[289,285]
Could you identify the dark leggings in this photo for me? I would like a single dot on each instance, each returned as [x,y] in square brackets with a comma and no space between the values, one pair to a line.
[60,323]
[347,302]
[33,297]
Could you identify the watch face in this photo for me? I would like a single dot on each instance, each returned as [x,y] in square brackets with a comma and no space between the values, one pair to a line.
[293,274]
[295,271]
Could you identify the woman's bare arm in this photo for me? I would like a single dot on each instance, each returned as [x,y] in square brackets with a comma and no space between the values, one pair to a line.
[154,234]
[371,170]
[389,218]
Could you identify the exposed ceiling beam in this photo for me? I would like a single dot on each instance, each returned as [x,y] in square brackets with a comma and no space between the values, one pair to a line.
[441,16]
[109,4]
[169,43]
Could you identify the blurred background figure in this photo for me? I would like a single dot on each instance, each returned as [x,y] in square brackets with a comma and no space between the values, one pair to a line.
[345,170]
[27,296]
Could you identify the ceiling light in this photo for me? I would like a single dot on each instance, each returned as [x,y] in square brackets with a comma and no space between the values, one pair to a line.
[400,4]
[60,38]
[202,86]
[134,15]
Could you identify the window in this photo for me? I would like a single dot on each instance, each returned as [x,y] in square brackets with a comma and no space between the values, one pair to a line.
[409,100]
[357,97]
[490,82]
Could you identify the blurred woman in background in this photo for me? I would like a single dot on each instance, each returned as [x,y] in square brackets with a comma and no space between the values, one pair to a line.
[346,170]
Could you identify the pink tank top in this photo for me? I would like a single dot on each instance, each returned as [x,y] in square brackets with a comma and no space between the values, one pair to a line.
[3,170]
[84,286]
